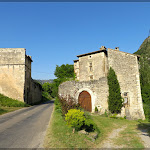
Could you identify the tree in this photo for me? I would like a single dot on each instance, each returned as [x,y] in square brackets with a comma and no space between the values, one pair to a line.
[114,98]
[64,71]
[47,87]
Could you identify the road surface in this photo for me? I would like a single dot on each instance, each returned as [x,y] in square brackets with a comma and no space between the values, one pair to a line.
[25,128]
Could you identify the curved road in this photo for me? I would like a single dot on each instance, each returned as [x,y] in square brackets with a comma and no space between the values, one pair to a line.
[25,128]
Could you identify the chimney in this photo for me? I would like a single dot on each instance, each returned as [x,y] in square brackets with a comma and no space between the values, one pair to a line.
[103,48]
[117,48]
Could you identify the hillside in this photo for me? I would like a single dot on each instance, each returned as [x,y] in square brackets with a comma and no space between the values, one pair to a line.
[44,81]
[144,52]
[144,49]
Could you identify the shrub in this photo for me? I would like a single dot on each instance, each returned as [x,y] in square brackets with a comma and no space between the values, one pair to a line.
[96,109]
[114,116]
[75,118]
[67,104]
[114,98]
[89,125]
[57,104]
[147,111]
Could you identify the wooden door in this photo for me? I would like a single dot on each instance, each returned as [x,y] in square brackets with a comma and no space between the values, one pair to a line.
[85,101]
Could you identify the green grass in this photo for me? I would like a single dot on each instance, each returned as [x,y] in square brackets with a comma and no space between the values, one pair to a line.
[4,110]
[59,135]
[8,104]
[129,138]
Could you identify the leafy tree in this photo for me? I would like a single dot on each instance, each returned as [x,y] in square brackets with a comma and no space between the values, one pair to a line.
[64,71]
[47,87]
[114,98]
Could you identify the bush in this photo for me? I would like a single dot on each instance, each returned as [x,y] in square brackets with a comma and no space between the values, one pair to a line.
[75,118]
[89,124]
[67,104]
[147,111]
[96,109]
[114,116]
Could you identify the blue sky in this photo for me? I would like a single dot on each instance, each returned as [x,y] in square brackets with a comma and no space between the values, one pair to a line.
[54,33]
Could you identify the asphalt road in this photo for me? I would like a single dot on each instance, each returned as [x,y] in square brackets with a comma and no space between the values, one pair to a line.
[25,128]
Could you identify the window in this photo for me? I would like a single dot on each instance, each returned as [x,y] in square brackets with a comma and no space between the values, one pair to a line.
[91,77]
[91,67]
[125,94]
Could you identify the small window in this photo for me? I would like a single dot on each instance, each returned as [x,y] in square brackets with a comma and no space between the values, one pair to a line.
[91,67]
[90,56]
[91,77]
[125,94]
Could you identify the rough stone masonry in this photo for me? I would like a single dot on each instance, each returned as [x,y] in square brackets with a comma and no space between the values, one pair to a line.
[91,81]
[15,76]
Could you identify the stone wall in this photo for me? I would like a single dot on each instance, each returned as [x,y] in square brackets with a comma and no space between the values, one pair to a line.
[12,72]
[98,89]
[92,67]
[127,70]
[36,92]
[27,87]
[15,76]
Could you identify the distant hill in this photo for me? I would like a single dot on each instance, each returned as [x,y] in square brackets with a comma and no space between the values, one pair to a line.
[44,81]
[144,49]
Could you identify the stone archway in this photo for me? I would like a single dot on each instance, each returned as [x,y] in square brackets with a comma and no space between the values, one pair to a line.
[84,100]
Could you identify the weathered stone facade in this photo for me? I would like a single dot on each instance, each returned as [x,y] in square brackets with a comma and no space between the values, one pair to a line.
[91,72]
[15,76]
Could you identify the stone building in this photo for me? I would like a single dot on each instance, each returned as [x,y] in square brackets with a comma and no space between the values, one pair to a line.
[90,89]
[15,76]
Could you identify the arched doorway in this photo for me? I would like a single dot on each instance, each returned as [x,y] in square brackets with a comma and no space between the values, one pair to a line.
[85,101]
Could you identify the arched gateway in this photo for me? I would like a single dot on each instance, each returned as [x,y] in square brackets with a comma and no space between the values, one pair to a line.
[85,101]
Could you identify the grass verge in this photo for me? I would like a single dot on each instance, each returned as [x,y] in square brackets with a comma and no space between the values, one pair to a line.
[8,104]
[59,135]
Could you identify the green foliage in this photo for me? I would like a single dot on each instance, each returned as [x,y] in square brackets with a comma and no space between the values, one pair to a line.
[114,98]
[47,87]
[96,109]
[46,96]
[9,102]
[57,105]
[64,71]
[144,61]
[114,116]
[147,111]
[75,118]
[2,111]
[67,104]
